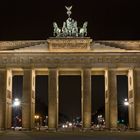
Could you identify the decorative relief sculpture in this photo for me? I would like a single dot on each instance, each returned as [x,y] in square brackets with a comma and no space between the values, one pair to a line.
[70,28]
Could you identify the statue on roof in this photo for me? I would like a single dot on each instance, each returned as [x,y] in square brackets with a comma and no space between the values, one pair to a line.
[83,30]
[68,10]
[70,28]
[64,29]
[57,30]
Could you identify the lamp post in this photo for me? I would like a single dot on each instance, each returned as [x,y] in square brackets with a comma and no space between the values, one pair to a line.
[126,103]
[37,121]
[16,104]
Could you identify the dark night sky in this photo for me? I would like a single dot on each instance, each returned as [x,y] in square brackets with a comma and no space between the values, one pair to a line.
[108,19]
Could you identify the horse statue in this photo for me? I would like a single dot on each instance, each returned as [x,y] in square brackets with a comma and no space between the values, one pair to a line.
[69,23]
[64,30]
[75,29]
[57,30]
[83,30]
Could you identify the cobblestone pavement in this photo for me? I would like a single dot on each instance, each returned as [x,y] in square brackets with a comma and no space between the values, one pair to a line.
[42,135]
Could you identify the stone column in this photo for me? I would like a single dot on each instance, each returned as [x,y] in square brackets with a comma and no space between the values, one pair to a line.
[53,99]
[107,122]
[131,99]
[137,98]
[86,98]
[5,99]
[28,99]
[111,114]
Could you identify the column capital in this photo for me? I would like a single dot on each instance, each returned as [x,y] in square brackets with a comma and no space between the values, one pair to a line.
[83,68]
[50,68]
[86,70]
[53,70]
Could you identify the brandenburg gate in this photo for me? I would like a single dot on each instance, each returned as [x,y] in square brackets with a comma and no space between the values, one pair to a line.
[69,52]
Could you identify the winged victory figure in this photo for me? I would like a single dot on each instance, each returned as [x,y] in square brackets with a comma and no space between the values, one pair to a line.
[68,10]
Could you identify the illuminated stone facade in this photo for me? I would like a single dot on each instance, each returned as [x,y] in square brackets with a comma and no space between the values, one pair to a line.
[69,56]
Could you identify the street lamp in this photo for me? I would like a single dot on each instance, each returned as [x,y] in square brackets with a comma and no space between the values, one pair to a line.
[126,103]
[38,121]
[36,117]
[16,104]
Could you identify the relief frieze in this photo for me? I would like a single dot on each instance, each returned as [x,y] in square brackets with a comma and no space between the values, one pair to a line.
[69,46]
[66,59]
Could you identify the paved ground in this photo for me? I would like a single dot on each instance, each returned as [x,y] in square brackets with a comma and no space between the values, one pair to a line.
[20,135]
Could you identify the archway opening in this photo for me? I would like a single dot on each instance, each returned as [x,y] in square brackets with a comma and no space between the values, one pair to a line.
[69,101]
[41,101]
[122,99]
[98,100]
[17,90]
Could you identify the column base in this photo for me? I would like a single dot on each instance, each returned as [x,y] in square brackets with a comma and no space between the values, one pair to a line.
[86,129]
[114,129]
[137,129]
[52,129]
[2,129]
[133,129]
[27,129]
